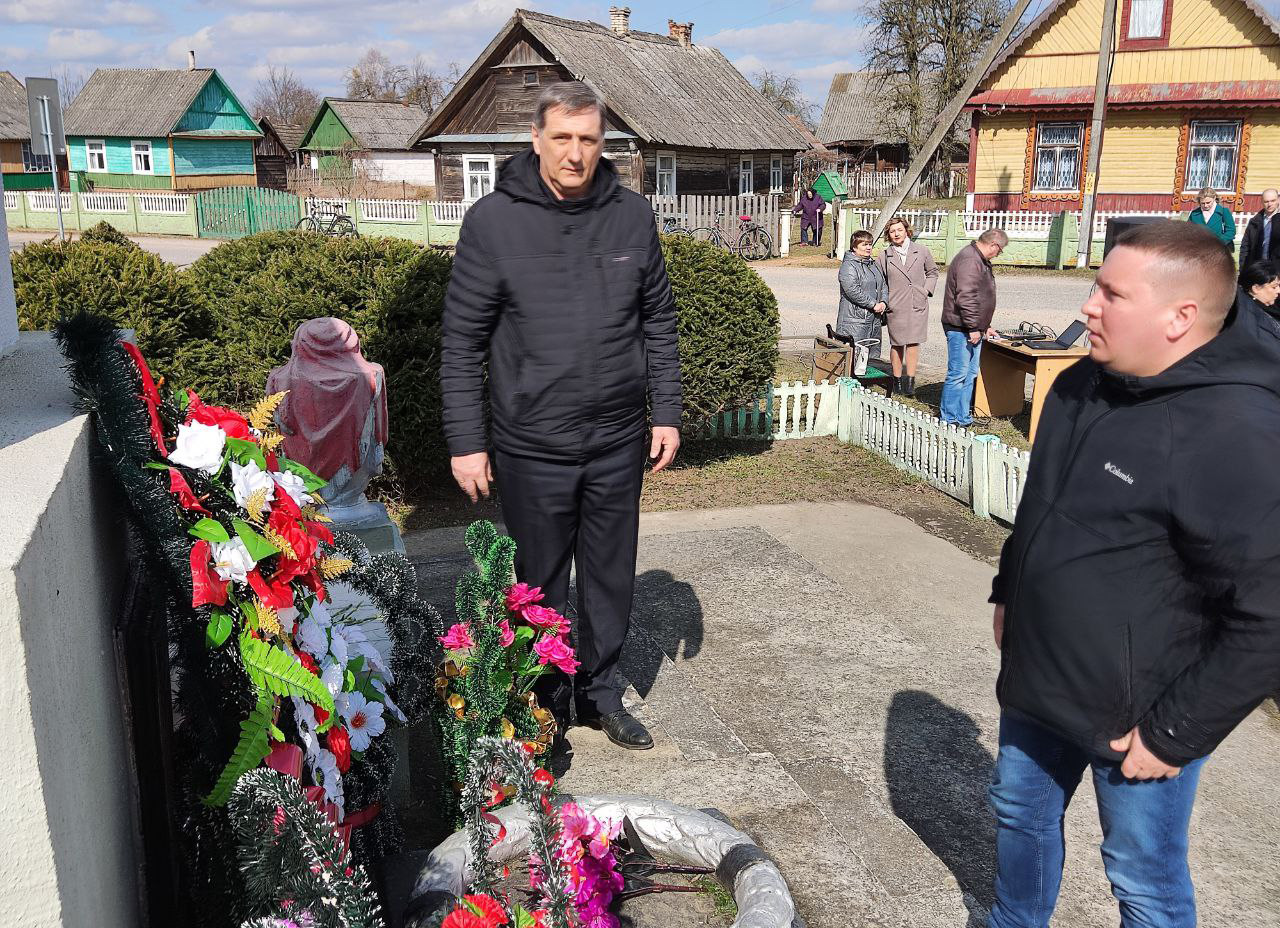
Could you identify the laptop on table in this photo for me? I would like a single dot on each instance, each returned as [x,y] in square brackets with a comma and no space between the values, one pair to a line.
[1063,341]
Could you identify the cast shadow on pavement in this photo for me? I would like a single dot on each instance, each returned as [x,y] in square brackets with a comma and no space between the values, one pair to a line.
[938,771]
[668,612]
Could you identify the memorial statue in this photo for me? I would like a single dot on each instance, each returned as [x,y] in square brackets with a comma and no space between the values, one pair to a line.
[334,419]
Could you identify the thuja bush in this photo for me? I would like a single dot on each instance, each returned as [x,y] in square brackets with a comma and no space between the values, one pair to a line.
[106,232]
[728,324]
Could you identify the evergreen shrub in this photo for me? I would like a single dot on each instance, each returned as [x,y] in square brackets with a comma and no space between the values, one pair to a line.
[106,232]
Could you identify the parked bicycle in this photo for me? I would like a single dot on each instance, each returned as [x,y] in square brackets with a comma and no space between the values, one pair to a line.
[328,222]
[670,225]
[753,243]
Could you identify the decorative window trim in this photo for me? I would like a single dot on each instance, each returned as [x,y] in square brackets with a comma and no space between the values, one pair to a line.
[658,172]
[749,163]
[134,152]
[1160,41]
[781,173]
[467,174]
[89,153]
[1182,198]
[1029,166]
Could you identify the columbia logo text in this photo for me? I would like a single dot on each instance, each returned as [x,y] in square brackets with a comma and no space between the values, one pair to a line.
[1112,469]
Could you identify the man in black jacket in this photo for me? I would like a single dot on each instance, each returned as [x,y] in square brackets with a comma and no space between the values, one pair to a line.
[1138,598]
[1261,241]
[559,280]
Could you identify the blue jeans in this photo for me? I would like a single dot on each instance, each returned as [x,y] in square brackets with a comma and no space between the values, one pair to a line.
[1144,831]
[962,371]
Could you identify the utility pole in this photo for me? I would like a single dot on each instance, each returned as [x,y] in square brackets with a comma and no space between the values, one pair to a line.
[53,162]
[947,118]
[1100,89]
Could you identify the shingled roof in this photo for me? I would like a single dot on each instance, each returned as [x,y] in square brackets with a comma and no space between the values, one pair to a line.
[14,122]
[857,111]
[667,93]
[377,125]
[134,101]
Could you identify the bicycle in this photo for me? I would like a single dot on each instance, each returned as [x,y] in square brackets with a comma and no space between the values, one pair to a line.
[754,242]
[670,225]
[335,223]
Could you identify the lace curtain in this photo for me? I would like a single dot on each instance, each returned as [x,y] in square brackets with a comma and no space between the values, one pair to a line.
[1146,19]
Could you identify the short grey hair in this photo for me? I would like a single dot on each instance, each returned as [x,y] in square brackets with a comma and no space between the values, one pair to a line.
[574,96]
[994,237]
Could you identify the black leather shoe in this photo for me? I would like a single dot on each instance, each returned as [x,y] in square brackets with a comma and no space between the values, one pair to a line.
[623,729]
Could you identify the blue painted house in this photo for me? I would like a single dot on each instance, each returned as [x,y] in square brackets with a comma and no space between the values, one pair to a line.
[151,129]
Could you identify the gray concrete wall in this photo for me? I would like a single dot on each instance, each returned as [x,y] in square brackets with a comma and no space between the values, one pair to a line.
[8,308]
[65,780]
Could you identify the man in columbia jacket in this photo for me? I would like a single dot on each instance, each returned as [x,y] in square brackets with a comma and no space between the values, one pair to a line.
[560,282]
[1138,597]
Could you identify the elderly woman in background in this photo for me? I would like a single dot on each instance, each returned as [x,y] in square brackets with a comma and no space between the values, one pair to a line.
[1260,285]
[810,209]
[911,274]
[1215,217]
[863,294]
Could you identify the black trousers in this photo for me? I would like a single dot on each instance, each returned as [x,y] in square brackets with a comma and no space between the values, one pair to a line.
[587,514]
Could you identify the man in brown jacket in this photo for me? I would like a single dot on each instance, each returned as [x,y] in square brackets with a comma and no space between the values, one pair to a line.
[968,303]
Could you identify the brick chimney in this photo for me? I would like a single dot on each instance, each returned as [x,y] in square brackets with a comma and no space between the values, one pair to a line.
[620,19]
[681,32]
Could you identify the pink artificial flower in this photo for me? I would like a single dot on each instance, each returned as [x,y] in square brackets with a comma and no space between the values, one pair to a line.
[521,595]
[458,638]
[552,650]
[508,636]
[545,618]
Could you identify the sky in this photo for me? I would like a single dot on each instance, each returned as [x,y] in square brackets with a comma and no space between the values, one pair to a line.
[319,39]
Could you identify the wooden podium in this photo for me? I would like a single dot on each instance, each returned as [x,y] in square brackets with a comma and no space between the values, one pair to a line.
[1002,378]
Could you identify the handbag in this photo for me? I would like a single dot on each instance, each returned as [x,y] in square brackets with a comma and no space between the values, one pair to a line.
[862,354]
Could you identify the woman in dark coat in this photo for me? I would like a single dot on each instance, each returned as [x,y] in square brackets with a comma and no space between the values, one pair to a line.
[911,274]
[1260,285]
[863,293]
[810,209]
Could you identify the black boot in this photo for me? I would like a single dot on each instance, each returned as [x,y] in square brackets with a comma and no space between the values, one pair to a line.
[909,386]
[622,728]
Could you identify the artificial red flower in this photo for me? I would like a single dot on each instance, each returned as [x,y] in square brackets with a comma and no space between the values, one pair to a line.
[228,420]
[275,594]
[179,487]
[321,531]
[487,908]
[273,463]
[287,527]
[461,918]
[206,588]
[339,745]
[307,661]
[543,778]
[150,395]
[322,715]
[521,595]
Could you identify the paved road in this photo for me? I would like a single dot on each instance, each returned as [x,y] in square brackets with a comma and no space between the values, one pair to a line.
[807,299]
[180,251]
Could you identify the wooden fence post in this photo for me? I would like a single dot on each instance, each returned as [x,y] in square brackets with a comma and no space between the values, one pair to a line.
[956,237]
[841,230]
[980,476]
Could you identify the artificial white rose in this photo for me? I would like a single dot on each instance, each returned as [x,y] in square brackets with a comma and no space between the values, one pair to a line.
[331,675]
[313,638]
[248,479]
[294,485]
[231,560]
[338,644]
[199,447]
[320,612]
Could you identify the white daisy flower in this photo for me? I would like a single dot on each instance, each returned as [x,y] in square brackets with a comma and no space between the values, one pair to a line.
[363,719]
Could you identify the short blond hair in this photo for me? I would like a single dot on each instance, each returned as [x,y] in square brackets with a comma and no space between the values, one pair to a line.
[1208,192]
[911,233]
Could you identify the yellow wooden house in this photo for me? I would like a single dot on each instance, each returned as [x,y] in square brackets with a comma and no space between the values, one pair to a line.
[1194,101]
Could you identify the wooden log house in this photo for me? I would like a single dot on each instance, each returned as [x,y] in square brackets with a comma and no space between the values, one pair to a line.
[681,119]
[277,151]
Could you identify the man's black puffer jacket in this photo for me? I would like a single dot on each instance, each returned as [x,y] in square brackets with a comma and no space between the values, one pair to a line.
[1142,580]
[570,301]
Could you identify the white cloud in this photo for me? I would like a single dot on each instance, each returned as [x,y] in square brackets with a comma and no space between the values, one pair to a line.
[91,46]
[82,12]
[799,39]
[468,18]
[281,28]
[838,6]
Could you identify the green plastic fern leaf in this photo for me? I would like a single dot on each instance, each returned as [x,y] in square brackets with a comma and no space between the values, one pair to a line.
[272,670]
[253,746]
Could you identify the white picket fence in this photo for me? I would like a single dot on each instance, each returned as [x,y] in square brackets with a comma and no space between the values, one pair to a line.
[164,204]
[447,212]
[11,199]
[927,223]
[697,212]
[104,202]
[979,470]
[1023,224]
[42,201]
[389,210]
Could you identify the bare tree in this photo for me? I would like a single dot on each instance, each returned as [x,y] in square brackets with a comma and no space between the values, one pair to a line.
[784,92]
[69,84]
[376,77]
[283,99]
[923,51]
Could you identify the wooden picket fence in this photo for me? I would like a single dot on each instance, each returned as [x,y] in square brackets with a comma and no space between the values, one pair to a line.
[697,212]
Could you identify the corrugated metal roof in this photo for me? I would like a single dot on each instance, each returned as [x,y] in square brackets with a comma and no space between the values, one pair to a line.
[378,125]
[669,94]
[14,121]
[513,137]
[139,102]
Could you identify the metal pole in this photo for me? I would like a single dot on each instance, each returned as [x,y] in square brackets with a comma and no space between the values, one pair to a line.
[53,163]
[1100,90]
[948,116]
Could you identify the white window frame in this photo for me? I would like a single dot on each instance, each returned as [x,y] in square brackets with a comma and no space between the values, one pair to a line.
[89,153]
[467,174]
[746,175]
[151,155]
[1235,163]
[1035,161]
[672,171]
[777,173]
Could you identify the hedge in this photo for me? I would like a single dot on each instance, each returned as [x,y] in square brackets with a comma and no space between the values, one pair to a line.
[221,325]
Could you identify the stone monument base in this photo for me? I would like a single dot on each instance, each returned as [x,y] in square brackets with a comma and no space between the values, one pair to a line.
[369,522]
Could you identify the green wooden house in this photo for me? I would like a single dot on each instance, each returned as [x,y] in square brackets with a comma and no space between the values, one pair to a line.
[22,169]
[373,137]
[151,129]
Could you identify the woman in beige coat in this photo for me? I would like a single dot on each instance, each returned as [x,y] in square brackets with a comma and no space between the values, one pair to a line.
[912,274]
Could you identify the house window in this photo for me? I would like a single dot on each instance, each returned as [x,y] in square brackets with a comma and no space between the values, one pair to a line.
[666,174]
[142,158]
[33,163]
[775,174]
[531,78]
[1146,19]
[746,167]
[96,154]
[1057,163]
[477,178]
[1213,151]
